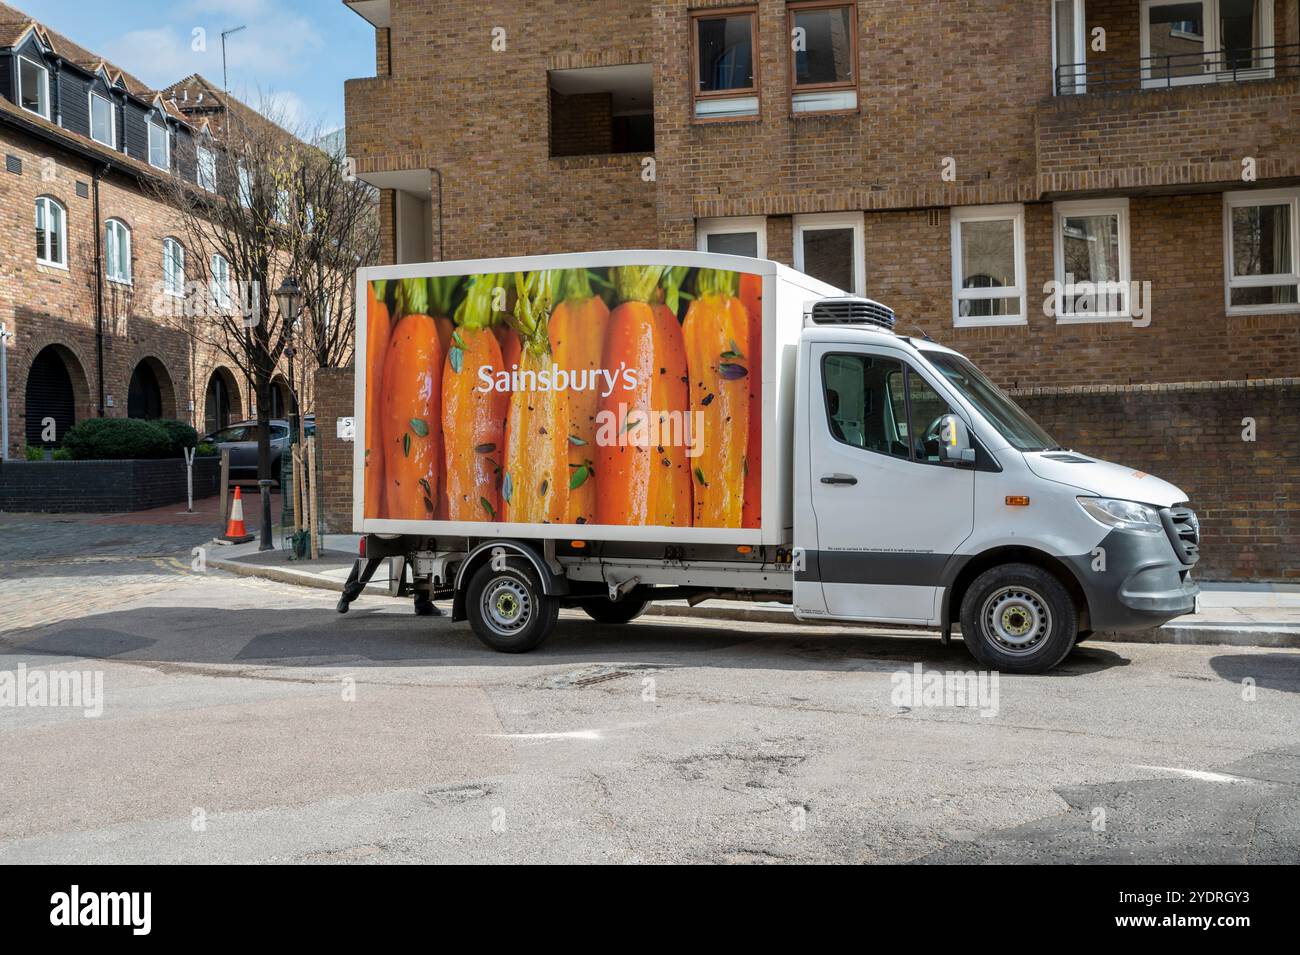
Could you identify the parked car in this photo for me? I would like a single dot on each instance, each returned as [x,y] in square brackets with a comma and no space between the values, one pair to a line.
[241,439]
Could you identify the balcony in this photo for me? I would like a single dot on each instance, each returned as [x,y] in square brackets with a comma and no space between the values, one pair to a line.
[1169,96]
[1171,69]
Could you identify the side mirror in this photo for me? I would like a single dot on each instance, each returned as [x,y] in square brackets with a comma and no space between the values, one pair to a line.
[954,441]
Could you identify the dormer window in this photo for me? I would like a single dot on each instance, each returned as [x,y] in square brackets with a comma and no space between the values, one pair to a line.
[207,168]
[159,145]
[33,87]
[102,128]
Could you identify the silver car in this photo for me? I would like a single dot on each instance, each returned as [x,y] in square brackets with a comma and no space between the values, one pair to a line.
[241,440]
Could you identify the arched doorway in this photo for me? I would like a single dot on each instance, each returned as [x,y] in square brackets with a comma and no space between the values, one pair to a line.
[279,398]
[51,395]
[150,394]
[221,405]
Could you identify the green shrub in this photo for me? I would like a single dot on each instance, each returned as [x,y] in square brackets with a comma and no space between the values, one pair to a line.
[36,453]
[181,435]
[116,439]
[207,450]
[61,454]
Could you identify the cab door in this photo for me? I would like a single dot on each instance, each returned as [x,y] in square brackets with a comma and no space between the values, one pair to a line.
[888,513]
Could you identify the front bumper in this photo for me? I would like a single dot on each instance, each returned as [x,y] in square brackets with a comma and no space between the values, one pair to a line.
[1134,581]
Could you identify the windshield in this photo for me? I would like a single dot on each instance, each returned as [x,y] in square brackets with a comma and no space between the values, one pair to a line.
[1020,430]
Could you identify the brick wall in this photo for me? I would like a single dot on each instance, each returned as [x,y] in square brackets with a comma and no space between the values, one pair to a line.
[581,124]
[1246,493]
[60,487]
[334,400]
[43,305]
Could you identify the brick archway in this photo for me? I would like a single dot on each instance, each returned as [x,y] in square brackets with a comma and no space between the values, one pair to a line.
[55,394]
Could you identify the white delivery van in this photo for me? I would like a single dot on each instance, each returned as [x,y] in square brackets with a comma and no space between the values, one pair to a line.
[602,430]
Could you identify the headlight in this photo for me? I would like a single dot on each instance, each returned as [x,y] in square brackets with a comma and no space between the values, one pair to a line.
[1122,515]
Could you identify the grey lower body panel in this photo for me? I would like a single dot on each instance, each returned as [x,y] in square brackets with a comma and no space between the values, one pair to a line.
[1134,581]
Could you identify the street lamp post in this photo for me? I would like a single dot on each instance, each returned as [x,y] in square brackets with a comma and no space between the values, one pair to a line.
[289,298]
[5,335]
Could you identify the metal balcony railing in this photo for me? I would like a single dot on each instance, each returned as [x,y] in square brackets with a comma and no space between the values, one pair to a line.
[1236,65]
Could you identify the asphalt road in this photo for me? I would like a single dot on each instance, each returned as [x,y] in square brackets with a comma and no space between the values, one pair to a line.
[245,721]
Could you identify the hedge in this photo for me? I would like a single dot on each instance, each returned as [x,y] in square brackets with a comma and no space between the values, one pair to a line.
[116,439]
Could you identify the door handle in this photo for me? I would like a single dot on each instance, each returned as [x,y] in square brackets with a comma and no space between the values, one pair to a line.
[839,479]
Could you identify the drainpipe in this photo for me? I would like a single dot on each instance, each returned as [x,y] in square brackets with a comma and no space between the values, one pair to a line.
[441,251]
[5,335]
[99,289]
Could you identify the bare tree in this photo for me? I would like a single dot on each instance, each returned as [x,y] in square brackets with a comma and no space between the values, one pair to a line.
[279,207]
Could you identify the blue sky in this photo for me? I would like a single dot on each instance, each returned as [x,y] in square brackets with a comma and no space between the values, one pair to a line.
[297,53]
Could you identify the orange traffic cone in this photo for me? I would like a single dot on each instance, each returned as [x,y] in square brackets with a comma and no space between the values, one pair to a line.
[236,533]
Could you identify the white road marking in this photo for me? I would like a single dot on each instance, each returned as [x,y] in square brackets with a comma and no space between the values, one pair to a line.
[1198,774]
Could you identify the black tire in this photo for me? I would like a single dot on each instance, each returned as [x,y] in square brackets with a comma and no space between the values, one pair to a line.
[621,611]
[507,609]
[1018,618]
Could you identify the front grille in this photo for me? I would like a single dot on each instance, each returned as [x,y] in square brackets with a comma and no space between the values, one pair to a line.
[1184,532]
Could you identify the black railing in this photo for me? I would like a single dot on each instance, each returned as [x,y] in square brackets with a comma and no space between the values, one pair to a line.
[1238,65]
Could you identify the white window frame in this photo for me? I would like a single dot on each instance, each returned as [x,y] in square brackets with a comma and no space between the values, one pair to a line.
[731,225]
[44,98]
[1212,43]
[1016,213]
[111,142]
[219,285]
[1080,84]
[173,267]
[206,159]
[42,258]
[1261,197]
[1090,207]
[835,220]
[167,145]
[123,233]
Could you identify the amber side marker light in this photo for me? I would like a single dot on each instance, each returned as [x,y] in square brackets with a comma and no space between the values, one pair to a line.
[744,549]
[577,545]
[1017,500]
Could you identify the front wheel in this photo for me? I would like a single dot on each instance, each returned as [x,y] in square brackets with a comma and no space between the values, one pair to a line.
[507,608]
[614,611]
[1018,618]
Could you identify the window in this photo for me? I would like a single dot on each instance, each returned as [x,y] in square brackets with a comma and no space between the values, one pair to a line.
[173,267]
[283,205]
[1010,420]
[102,128]
[880,404]
[207,169]
[1069,47]
[33,87]
[1262,251]
[159,146]
[245,187]
[220,284]
[741,236]
[830,249]
[726,84]
[1199,41]
[824,56]
[602,109]
[1092,267]
[988,266]
[51,233]
[117,251]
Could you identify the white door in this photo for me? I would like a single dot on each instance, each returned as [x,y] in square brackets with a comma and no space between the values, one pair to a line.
[888,514]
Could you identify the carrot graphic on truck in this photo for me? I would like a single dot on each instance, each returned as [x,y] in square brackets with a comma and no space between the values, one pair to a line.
[535,487]
[578,328]
[716,332]
[641,482]
[473,421]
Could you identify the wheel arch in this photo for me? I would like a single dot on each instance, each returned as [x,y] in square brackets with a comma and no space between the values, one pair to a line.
[553,585]
[963,572]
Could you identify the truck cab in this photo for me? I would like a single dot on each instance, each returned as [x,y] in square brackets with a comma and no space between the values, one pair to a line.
[924,495]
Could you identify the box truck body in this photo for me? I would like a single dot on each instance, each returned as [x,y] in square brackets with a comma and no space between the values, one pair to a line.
[602,430]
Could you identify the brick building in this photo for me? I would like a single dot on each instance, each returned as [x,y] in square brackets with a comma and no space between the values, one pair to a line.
[85,147]
[951,159]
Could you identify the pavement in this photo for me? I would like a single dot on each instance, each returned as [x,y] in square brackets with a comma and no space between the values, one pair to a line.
[242,720]
[1260,615]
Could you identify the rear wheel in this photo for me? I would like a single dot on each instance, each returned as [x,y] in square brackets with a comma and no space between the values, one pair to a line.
[605,610]
[1018,618]
[507,608]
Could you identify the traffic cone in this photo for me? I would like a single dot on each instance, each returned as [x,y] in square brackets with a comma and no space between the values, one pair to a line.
[236,533]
